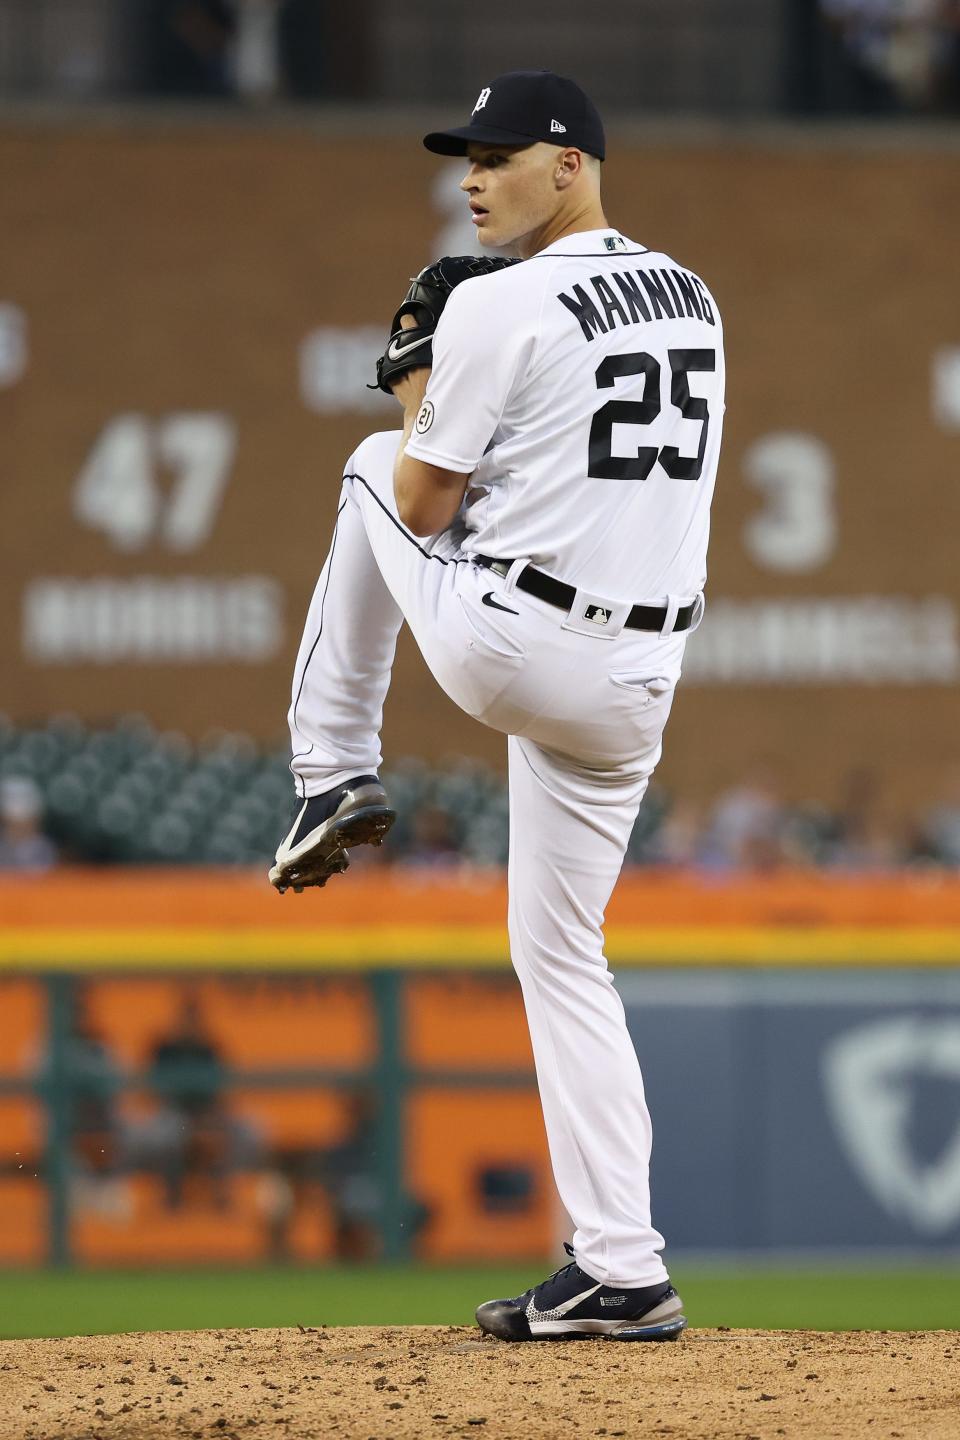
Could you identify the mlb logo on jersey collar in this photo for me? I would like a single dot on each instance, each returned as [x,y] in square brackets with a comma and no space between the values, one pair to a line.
[595,615]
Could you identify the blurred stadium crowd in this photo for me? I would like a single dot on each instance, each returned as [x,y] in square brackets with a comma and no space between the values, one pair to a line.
[799,56]
[186,1135]
[891,56]
[128,795]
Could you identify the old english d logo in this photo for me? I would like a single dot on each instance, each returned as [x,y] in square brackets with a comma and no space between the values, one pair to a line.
[869,1075]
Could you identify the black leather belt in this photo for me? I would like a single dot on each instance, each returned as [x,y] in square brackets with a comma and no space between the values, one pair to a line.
[555,592]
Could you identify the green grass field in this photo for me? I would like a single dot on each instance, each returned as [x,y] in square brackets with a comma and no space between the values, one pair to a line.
[105,1302]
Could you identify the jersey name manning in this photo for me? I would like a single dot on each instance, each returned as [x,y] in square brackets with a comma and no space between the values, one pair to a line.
[582,390]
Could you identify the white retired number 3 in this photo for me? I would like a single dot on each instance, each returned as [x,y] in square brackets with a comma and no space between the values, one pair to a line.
[797,528]
[120,491]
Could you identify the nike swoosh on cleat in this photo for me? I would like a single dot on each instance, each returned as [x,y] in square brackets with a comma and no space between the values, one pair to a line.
[533,1314]
[396,351]
[495,604]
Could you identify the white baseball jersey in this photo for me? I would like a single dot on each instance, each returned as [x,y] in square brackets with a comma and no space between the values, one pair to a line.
[583,391]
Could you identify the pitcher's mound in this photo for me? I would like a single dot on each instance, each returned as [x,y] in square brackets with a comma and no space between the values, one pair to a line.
[411,1382]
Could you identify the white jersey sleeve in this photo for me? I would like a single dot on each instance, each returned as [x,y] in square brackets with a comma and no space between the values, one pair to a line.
[476,363]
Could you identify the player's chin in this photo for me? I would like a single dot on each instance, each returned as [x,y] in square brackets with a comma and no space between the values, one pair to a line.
[501,241]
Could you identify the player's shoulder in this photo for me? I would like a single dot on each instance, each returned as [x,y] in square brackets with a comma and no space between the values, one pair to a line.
[506,285]
[377,449]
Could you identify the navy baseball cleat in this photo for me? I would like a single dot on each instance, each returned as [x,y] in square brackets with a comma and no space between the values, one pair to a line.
[326,827]
[572,1305]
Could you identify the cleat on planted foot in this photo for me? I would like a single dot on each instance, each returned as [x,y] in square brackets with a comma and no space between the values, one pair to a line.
[571,1305]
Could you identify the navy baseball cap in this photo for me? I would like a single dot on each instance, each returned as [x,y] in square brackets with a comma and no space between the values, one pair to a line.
[522,107]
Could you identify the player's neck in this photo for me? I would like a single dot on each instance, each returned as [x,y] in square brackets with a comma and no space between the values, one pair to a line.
[587,217]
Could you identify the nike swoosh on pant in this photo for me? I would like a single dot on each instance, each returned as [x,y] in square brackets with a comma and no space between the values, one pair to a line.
[495,604]
[534,1314]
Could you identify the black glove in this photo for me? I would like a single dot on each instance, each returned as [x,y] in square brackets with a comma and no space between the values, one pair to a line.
[428,293]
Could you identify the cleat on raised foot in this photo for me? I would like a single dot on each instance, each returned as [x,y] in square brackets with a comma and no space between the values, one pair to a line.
[325,828]
[571,1305]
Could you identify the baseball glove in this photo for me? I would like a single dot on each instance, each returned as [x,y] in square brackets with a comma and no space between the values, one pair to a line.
[428,294]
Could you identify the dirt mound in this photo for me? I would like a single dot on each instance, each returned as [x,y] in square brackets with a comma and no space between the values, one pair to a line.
[411,1382]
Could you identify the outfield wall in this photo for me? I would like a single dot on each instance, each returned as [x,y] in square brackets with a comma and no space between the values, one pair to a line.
[799,1035]
[189,316]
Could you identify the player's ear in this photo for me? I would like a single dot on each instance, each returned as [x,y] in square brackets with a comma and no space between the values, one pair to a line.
[567,167]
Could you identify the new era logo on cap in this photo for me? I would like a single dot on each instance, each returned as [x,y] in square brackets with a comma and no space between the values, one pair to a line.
[521,108]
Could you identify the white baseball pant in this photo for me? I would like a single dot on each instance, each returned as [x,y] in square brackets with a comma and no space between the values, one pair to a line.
[584,716]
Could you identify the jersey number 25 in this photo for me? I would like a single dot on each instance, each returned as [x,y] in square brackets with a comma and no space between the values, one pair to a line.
[603,464]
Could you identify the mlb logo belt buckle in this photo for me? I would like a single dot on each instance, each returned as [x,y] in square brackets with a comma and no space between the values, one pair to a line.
[596,615]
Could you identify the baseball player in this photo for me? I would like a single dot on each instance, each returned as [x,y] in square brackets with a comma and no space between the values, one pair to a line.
[541,524]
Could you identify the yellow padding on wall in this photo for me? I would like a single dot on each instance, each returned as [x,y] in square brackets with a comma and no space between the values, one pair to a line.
[369,947]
